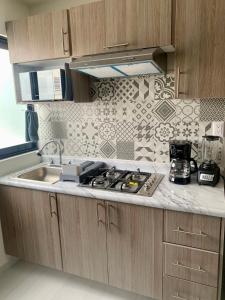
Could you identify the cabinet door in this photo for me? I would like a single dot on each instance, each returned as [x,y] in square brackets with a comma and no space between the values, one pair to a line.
[133,24]
[18,40]
[87,25]
[30,226]
[83,237]
[39,37]
[134,244]
[48,35]
[200,48]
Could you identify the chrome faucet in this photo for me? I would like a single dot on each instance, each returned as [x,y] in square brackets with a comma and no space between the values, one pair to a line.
[39,153]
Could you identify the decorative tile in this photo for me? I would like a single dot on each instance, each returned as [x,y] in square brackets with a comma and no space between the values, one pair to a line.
[164,132]
[107,149]
[145,131]
[105,90]
[125,131]
[107,131]
[144,151]
[73,148]
[125,150]
[187,110]
[164,87]
[187,131]
[212,109]
[129,118]
[126,90]
[165,111]
[89,130]
[142,111]
[162,152]
[44,112]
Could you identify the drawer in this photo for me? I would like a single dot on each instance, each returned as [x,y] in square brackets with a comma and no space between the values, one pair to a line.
[191,264]
[192,230]
[178,289]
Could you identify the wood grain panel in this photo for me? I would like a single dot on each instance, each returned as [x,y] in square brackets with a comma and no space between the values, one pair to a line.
[138,23]
[174,288]
[134,244]
[185,229]
[199,266]
[39,37]
[46,37]
[83,239]
[200,45]
[87,25]
[29,230]
[18,41]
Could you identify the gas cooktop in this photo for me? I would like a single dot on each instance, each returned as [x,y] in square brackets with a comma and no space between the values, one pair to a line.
[141,183]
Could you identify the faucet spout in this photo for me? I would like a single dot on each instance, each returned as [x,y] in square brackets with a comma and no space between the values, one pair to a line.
[39,153]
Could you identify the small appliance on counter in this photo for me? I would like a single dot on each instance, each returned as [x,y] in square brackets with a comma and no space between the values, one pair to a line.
[182,165]
[209,171]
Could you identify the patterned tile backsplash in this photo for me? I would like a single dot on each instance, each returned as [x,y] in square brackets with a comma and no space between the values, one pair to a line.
[128,119]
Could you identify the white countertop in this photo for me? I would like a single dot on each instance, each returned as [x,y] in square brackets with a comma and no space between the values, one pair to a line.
[187,198]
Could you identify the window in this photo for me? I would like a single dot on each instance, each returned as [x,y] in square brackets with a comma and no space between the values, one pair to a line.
[12,115]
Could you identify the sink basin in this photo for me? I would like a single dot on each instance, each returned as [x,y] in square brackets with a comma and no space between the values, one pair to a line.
[46,174]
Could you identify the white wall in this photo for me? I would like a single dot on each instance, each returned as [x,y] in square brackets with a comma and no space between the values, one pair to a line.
[11,10]
[50,5]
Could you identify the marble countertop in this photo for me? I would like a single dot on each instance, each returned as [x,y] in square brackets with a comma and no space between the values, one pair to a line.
[186,198]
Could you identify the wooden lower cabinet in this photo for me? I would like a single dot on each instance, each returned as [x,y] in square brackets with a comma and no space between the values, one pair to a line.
[30,226]
[177,289]
[192,264]
[118,244]
[134,245]
[83,237]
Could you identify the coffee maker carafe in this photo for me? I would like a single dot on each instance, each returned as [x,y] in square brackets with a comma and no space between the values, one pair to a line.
[182,165]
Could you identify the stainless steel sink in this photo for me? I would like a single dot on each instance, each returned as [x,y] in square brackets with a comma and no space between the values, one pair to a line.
[48,174]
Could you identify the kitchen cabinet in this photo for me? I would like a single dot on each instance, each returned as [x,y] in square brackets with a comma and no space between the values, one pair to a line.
[134,24]
[200,48]
[39,37]
[117,244]
[30,226]
[87,27]
[134,243]
[83,237]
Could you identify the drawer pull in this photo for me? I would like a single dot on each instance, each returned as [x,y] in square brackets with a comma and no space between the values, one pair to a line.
[181,298]
[117,45]
[198,269]
[179,230]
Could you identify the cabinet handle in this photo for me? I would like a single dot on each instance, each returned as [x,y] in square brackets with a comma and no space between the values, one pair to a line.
[181,298]
[64,33]
[198,269]
[110,223]
[99,220]
[117,45]
[179,230]
[53,212]
[177,91]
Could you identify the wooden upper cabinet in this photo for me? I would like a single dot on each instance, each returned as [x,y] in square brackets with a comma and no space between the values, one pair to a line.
[87,25]
[200,48]
[18,40]
[83,237]
[30,226]
[133,24]
[39,37]
[134,244]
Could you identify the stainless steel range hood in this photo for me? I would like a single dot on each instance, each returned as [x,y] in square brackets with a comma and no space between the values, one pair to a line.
[122,64]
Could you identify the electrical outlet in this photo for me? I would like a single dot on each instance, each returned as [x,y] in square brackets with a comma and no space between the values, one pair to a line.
[218,129]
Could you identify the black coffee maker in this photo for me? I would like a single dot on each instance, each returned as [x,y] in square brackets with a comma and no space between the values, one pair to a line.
[182,165]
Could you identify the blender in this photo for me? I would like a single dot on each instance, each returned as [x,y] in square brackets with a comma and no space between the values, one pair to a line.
[209,171]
